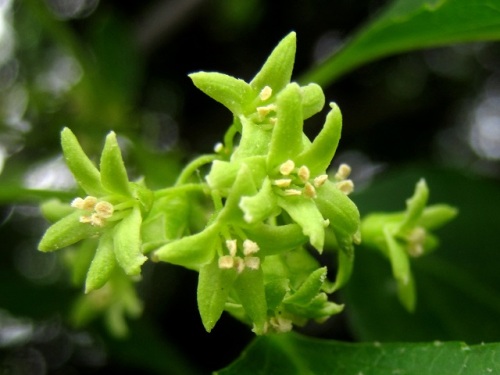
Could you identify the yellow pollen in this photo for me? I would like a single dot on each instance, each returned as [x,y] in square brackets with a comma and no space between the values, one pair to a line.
[252,263]
[292,192]
[265,93]
[320,180]
[346,186]
[264,111]
[283,182]
[232,247]
[287,167]
[226,262]
[343,172]
[89,203]
[250,247]
[309,190]
[104,209]
[304,173]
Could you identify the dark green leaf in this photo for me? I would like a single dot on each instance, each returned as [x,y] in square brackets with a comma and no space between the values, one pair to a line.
[293,354]
[407,25]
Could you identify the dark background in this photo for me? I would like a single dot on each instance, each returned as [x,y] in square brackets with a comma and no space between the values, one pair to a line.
[413,109]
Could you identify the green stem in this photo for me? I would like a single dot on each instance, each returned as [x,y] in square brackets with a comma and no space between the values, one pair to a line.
[193,166]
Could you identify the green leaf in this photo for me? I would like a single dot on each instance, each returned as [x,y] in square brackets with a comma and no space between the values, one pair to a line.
[415,205]
[437,215]
[113,173]
[102,264]
[192,251]
[305,213]
[286,140]
[313,100]
[319,154]
[290,236]
[67,231]
[277,70]
[292,353]
[249,286]
[261,205]
[214,285]
[127,242]
[84,171]
[235,94]
[409,25]
[309,288]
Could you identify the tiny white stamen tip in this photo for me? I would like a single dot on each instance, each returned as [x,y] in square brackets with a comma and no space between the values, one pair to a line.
[89,202]
[265,93]
[309,191]
[85,219]
[346,186]
[343,172]
[320,180]
[252,262]
[273,120]
[239,264]
[77,203]
[104,209]
[304,173]
[226,262]
[283,182]
[250,247]
[287,167]
[97,220]
[218,148]
[292,192]
[326,223]
[232,247]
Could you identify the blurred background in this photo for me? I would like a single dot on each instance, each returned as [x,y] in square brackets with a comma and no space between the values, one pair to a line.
[97,66]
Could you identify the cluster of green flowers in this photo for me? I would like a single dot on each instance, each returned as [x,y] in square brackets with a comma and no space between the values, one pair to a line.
[273,203]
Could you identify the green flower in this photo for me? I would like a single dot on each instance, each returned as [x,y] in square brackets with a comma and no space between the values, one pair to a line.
[112,210]
[400,236]
[272,196]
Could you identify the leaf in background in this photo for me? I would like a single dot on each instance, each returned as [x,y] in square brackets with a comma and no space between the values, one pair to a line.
[410,25]
[295,354]
[458,284]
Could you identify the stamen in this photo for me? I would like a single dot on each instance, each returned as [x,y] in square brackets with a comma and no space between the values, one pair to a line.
[265,93]
[232,247]
[346,186]
[104,209]
[326,223]
[320,180]
[287,167]
[264,111]
[283,182]
[343,172]
[239,264]
[252,262]
[304,173]
[226,262]
[96,220]
[250,247]
[89,202]
[292,192]
[219,147]
[85,219]
[309,190]
[77,203]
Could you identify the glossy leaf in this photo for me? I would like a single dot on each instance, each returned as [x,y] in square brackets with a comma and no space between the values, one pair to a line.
[127,242]
[84,171]
[295,354]
[409,25]
[113,173]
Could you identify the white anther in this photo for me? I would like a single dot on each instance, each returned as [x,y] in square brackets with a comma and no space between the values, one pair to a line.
[89,202]
[265,93]
[320,180]
[219,147]
[85,219]
[104,209]
[273,120]
[292,192]
[232,247]
[346,186]
[283,182]
[304,173]
[326,223]
[264,111]
[309,190]
[77,203]
[252,262]
[280,324]
[226,262]
[250,247]
[287,167]
[239,264]
[343,172]
[416,240]
[96,220]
